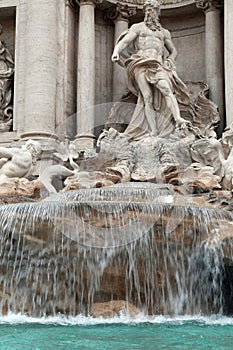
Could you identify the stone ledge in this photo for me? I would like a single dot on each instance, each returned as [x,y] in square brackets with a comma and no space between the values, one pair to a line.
[165,4]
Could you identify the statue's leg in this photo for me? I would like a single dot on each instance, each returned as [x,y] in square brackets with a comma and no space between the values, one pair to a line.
[147,94]
[171,101]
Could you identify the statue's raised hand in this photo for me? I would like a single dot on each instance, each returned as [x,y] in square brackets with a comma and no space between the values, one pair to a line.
[115,57]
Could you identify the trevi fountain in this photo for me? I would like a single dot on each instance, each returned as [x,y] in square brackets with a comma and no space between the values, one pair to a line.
[116,162]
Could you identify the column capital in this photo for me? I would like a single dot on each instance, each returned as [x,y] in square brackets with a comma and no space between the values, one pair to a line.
[84,2]
[208,5]
[120,12]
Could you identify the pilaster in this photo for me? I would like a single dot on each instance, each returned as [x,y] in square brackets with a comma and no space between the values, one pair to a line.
[228,54]
[214,53]
[119,15]
[41,73]
[86,75]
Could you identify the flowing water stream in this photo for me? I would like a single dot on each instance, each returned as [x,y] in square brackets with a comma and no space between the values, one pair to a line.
[135,242]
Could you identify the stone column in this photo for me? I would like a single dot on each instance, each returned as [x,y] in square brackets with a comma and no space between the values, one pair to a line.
[228,50]
[214,53]
[41,69]
[86,76]
[120,16]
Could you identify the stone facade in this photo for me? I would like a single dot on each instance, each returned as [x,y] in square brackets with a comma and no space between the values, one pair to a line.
[64,88]
[49,51]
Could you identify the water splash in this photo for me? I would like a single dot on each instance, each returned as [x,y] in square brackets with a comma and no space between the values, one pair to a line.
[81,320]
[140,243]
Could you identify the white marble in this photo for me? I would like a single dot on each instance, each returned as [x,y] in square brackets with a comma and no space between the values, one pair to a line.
[228,53]
[41,69]
[214,58]
[86,75]
[119,73]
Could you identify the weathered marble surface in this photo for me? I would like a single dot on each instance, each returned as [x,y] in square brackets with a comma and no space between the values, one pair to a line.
[173,132]
[16,164]
[6,86]
[114,308]
[154,135]
[107,251]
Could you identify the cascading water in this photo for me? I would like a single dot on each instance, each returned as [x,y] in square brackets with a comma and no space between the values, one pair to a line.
[136,242]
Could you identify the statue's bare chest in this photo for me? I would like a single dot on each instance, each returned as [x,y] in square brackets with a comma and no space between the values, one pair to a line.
[151,37]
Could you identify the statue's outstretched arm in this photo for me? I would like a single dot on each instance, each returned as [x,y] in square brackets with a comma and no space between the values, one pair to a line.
[123,43]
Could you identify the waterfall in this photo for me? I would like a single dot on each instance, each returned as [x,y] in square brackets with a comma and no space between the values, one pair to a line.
[142,243]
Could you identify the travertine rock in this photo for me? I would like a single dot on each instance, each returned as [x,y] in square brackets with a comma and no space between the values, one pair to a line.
[114,308]
[199,179]
[19,187]
[210,152]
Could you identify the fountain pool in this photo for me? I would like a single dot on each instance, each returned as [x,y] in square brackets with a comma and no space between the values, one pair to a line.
[18,332]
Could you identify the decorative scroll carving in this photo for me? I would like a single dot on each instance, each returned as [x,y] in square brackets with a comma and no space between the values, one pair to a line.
[120,10]
[206,4]
[6,86]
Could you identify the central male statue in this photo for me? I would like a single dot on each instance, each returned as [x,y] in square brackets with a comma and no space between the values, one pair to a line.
[151,76]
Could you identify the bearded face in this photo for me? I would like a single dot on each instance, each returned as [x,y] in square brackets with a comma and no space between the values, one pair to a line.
[152,18]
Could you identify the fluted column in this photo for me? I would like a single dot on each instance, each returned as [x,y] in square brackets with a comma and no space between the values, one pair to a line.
[228,49]
[86,75]
[41,72]
[120,16]
[214,53]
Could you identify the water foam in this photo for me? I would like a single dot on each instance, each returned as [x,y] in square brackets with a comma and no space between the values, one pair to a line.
[80,320]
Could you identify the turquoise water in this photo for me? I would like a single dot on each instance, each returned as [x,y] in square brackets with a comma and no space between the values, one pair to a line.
[17,332]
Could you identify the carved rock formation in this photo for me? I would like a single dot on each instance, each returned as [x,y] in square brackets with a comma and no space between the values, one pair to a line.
[114,308]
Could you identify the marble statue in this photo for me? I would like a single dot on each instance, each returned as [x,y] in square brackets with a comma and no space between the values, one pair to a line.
[114,163]
[6,79]
[16,167]
[211,152]
[151,75]
[66,153]
[162,130]
[16,162]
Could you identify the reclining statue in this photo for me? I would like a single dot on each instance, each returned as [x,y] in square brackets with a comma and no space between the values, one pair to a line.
[17,162]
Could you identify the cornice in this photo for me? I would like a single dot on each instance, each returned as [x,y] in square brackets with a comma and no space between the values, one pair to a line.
[164,3]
